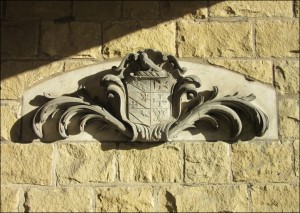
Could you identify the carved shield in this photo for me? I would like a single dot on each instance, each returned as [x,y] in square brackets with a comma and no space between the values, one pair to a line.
[149,100]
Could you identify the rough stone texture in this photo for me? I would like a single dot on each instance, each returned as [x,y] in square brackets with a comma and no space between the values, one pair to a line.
[287,77]
[16,10]
[262,162]
[252,8]
[121,38]
[296,156]
[76,39]
[9,199]
[125,199]
[71,65]
[207,162]
[148,163]
[296,7]
[23,75]
[140,9]
[277,38]
[190,9]
[206,198]
[18,40]
[257,69]
[85,163]
[214,39]
[59,200]
[10,112]
[26,163]
[275,198]
[289,118]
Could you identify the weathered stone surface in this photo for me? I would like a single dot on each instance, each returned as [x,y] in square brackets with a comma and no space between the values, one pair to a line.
[121,38]
[275,198]
[263,162]
[140,9]
[80,163]
[207,162]
[214,39]
[296,8]
[71,65]
[190,9]
[23,75]
[206,198]
[37,9]
[9,199]
[97,9]
[296,156]
[26,163]
[18,40]
[289,118]
[125,199]
[287,77]
[277,38]
[76,39]
[10,112]
[252,8]
[148,163]
[258,69]
[59,200]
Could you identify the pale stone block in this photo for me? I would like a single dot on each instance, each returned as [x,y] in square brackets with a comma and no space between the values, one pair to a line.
[287,77]
[275,198]
[59,200]
[252,8]
[9,199]
[140,9]
[296,156]
[289,118]
[26,163]
[18,40]
[85,163]
[262,162]
[125,199]
[76,39]
[272,39]
[26,74]
[206,198]
[122,38]
[260,70]
[207,162]
[71,65]
[149,163]
[214,39]
[10,112]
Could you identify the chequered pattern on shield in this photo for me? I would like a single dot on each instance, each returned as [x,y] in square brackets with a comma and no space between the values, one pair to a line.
[149,101]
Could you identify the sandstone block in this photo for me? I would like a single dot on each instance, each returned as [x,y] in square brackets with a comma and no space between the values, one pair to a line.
[206,198]
[9,199]
[124,199]
[287,77]
[37,9]
[272,39]
[71,65]
[21,75]
[252,8]
[289,118]
[188,10]
[85,163]
[10,113]
[97,9]
[77,39]
[296,156]
[275,198]
[140,9]
[262,162]
[121,38]
[26,164]
[258,69]
[214,39]
[148,163]
[18,40]
[59,200]
[207,162]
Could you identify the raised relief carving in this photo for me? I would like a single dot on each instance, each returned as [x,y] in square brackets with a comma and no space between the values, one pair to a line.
[149,99]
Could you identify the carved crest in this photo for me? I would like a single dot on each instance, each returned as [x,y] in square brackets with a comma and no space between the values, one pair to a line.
[145,98]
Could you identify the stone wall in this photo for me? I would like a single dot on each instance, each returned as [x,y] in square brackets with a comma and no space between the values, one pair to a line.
[259,39]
